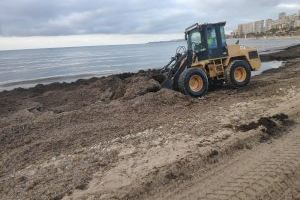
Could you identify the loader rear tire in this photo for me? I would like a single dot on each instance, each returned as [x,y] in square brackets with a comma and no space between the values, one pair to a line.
[193,82]
[238,74]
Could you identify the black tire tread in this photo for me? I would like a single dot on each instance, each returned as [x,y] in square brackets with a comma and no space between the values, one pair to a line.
[228,71]
[182,80]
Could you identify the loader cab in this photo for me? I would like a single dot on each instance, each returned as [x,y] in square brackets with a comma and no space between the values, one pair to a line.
[207,41]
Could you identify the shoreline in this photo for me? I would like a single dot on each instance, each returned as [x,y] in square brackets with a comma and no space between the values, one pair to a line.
[290,52]
[270,37]
[275,54]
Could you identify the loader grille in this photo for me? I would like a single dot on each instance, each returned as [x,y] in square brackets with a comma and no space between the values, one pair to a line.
[253,55]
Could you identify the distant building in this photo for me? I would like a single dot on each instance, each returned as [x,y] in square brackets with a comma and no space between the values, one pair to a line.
[283,24]
[246,28]
[279,24]
[259,26]
[239,30]
[268,24]
[292,18]
[276,25]
[297,23]
[281,15]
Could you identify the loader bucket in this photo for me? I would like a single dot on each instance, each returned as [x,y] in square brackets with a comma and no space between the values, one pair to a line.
[168,83]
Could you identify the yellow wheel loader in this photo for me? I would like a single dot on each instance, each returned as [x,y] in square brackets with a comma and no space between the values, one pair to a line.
[208,60]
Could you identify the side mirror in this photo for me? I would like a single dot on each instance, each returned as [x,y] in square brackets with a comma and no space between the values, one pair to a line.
[185,36]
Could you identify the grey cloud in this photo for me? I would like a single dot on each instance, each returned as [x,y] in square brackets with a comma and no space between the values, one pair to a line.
[57,17]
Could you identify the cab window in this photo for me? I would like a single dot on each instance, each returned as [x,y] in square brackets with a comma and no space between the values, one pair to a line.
[223,36]
[212,38]
[195,41]
[196,37]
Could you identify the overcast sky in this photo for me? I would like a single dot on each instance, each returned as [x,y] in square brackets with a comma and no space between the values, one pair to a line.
[48,23]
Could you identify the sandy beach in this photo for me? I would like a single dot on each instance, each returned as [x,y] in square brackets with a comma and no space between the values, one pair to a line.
[124,137]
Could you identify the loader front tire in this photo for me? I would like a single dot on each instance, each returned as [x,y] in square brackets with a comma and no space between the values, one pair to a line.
[193,82]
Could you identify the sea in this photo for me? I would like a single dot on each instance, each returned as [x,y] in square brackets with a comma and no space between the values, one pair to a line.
[26,68]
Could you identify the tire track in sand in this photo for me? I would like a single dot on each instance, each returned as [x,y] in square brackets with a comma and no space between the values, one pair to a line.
[272,171]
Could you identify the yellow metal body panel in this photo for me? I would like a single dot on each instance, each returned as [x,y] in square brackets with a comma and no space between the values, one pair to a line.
[242,51]
[215,68]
